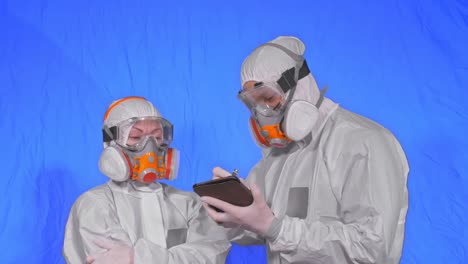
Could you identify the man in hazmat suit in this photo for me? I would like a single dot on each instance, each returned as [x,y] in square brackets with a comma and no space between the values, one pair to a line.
[133,218]
[331,186]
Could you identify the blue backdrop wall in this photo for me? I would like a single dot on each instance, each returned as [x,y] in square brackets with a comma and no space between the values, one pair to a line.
[402,63]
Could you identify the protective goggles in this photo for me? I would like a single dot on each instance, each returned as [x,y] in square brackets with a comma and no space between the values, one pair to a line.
[266,99]
[271,98]
[134,133]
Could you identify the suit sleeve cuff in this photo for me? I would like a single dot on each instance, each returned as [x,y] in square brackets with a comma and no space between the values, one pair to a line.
[274,229]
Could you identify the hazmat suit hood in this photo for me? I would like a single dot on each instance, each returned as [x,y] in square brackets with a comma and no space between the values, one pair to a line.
[267,63]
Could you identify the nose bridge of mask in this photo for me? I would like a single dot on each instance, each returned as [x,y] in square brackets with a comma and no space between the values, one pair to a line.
[147,141]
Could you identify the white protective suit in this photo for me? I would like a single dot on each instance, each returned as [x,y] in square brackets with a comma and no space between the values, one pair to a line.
[161,224]
[339,195]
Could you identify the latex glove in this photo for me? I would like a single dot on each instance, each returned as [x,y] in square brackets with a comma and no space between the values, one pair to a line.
[117,253]
[256,217]
[219,173]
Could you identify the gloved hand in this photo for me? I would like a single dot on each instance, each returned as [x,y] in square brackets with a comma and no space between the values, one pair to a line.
[219,173]
[117,253]
[256,217]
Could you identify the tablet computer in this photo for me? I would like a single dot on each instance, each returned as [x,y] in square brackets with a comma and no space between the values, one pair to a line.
[229,189]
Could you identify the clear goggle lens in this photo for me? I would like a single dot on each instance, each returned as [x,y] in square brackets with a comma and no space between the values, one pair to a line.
[264,99]
[134,133]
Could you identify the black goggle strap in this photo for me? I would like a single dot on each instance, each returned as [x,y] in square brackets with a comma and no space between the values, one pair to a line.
[109,134]
[289,77]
